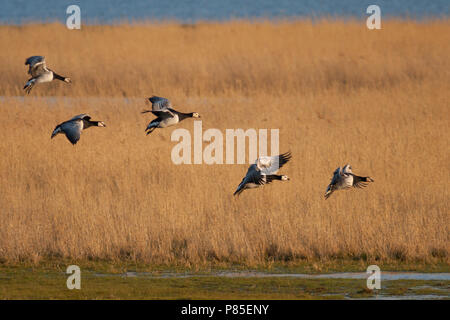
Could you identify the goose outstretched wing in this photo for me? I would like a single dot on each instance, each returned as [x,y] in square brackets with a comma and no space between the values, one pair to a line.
[333,182]
[253,176]
[159,105]
[37,65]
[72,129]
[336,176]
[83,116]
[361,182]
[270,165]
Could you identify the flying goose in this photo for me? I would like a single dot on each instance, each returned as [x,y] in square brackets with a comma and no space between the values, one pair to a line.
[263,172]
[73,127]
[166,115]
[344,178]
[40,73]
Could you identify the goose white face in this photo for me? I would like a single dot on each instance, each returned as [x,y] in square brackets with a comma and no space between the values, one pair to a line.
[195,115]
[68,80]
[347,169]
[101,124]
[284,178]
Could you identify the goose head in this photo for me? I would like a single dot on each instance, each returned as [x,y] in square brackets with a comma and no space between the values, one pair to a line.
[68,80]
[347,169]
[195,115]
[285,178]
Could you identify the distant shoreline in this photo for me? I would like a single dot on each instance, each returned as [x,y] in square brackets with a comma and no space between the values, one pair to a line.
[173,21]
[140,11]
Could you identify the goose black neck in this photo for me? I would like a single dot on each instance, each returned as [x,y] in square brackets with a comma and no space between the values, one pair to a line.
[182,116]
[57,76]
[89,123]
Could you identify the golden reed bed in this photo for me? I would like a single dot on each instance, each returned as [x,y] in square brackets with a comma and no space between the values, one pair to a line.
[337,91]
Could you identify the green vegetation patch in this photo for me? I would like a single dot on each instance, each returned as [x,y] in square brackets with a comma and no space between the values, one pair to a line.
[27,283]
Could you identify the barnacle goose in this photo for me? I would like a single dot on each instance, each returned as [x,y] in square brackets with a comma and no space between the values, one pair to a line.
[344,178]
[73,127]
[263,172]
[166,115]
[40,73]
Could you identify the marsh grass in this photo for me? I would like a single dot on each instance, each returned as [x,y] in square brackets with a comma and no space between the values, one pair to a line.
[338,92]
[23,283]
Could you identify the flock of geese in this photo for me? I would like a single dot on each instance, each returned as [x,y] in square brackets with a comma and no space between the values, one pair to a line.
[262,172]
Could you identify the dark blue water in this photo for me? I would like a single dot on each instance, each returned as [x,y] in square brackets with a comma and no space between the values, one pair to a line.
[113,11]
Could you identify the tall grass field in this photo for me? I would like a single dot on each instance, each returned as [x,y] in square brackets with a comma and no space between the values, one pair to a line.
[338,93]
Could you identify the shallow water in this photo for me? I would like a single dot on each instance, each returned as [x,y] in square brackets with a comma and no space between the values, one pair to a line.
[444,292]
[352,275]
[254,274]
[112,11]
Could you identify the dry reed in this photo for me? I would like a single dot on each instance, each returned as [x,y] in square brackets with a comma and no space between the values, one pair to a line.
[338,93]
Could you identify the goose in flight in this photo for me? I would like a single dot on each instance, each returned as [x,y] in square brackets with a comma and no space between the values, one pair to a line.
[166,115]
[40,73]
[263,172]
[344,178]
[73,127]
